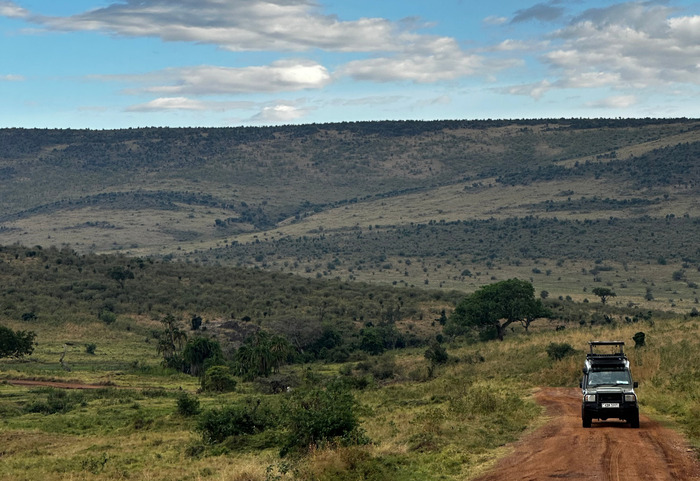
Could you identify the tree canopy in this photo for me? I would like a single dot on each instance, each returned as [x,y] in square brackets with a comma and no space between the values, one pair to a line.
[603,293]
[496,306]
[16,343]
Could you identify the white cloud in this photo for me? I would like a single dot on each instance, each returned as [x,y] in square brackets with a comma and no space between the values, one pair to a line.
[280,113]
[185,103]
[534,90]
[615,102]
[283,75]
[252,25]
[494,20]
[631,45]
[12,10]
[168,103]
[12,78]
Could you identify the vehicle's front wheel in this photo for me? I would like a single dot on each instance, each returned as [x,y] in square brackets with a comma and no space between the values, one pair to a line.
[586,418]
[634,421]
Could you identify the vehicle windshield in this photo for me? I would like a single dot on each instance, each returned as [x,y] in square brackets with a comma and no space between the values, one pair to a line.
[609,378]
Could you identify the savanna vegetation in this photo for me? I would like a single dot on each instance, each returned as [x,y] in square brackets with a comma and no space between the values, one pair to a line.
[235,321]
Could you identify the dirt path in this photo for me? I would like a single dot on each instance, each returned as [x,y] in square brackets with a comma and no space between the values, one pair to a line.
[56,384]
[609,451]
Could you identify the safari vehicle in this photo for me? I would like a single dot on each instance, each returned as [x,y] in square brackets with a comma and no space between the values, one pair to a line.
[608,389]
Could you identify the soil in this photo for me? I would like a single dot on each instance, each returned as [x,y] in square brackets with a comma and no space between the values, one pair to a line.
[56,384]
[608,451]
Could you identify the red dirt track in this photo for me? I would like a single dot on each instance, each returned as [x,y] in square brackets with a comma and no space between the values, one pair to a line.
[608,451]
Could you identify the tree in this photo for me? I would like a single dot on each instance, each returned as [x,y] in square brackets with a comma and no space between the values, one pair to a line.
[120,274]
[495,307]
[199,350]
[261,355]
[603,293]
[16,343]
[170,341]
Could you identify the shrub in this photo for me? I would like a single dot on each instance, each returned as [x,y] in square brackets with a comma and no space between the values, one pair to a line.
[187,405]
[558,351]
[218,424]
[57,401]
[436,353]
[218,379]
[320,414]
[90,348]
[639,339]
[107,316]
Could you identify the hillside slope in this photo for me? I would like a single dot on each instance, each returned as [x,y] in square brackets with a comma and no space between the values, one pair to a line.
[352,200]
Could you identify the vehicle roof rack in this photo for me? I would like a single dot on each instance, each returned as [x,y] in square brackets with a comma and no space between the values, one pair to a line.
[598,359]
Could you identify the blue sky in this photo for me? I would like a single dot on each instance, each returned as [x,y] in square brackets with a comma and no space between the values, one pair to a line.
[131,63]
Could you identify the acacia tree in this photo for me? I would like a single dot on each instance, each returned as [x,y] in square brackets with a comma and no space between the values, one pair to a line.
[16,343]
[603,293]
[496,306]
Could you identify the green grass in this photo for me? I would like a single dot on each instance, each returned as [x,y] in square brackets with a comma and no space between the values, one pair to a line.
[451,425]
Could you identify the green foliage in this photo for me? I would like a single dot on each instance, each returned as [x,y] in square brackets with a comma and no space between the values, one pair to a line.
[107,316]
[16,343]
[436,353]
[318,414]
[218,379]
[558,351]
[188,405]
[170,343]
[216,425]
[496,306]
[199,350]
[261,354]
[56,401]
[604,293]
[90,348]
[639,339]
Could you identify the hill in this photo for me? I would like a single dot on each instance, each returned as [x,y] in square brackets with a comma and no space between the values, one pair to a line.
[451,204]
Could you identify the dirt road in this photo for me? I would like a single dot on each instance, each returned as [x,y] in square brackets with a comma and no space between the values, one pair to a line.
[609,451]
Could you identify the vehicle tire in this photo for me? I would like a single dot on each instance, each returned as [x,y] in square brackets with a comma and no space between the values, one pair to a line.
[586,420]
[634,421]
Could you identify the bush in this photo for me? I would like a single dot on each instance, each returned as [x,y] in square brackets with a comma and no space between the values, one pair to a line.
[320,414]
[558,351]
[639,339]
[90,348]
[187,405]
[57,401]
[218,424]
[436,353]
[218,379]
[107,316]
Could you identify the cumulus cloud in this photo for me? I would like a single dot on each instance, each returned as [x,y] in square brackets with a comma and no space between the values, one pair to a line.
[12,10]
[284,75]
[280,113]
[437,59]
[631,45]
[252,25]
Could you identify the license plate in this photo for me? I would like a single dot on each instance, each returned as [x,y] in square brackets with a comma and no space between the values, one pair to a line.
[611,405]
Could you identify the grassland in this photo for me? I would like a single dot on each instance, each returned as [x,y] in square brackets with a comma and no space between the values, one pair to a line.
[452,424]
[343,226]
